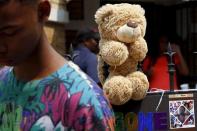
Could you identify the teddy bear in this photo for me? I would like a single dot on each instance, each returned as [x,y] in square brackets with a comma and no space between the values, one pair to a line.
[122,46]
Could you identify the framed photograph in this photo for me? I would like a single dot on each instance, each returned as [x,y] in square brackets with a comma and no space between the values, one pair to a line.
[181,113]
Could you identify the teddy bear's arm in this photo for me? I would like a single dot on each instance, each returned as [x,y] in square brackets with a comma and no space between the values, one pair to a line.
[112,52]
[139,49]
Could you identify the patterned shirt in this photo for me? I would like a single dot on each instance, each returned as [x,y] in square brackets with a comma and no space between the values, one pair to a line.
[65,100]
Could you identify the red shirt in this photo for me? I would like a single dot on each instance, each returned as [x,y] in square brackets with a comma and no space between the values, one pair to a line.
[160,77]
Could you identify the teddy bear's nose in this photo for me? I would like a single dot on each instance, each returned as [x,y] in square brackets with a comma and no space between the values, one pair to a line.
[132,24]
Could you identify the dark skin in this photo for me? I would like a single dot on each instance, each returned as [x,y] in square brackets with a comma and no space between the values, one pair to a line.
[92,45]
[23,43]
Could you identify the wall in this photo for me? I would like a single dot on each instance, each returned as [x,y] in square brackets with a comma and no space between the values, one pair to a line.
[55,26]
[90,7]
[186,27]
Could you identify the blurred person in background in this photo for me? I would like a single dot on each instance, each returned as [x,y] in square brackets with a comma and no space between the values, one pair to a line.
[85,50]
[156,65]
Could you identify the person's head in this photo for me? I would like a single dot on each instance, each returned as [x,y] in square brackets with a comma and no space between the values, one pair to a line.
[89,38]
[21,28]
[163,43]
[181,110]
[190,105]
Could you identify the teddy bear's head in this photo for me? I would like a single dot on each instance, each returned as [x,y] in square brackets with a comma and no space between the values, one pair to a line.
[121,22]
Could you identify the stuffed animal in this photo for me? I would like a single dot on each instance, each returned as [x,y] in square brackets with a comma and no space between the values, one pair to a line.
[122,46]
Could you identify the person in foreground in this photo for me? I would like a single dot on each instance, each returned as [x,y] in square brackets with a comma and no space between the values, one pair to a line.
[39,89]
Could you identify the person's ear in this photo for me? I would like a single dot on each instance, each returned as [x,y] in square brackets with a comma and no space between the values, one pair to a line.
[44,9]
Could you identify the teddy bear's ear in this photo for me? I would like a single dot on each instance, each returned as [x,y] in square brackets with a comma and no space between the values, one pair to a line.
[103,12]
[140,9]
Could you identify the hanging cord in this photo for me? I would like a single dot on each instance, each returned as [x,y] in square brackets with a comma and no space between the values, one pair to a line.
[160,100]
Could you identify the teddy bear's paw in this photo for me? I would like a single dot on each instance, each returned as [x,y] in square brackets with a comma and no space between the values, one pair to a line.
[129,32]
[140,85]
[138,50]
[118,89]
[114,53]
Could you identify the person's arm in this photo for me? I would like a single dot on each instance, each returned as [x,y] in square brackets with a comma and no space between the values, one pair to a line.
[182,66]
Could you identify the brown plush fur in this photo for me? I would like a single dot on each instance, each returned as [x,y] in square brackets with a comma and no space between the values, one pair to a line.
[122,28]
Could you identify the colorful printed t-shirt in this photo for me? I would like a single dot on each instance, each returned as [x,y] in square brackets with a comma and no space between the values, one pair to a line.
[65,100]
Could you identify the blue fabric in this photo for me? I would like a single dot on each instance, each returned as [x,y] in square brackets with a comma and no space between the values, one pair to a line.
[87,61]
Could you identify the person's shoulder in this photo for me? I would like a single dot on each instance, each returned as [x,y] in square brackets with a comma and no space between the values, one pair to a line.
[77,82]
[5,70]
[91,56]
[148,58]
[79,54]
[71,78]
[4,73]
[72,72]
